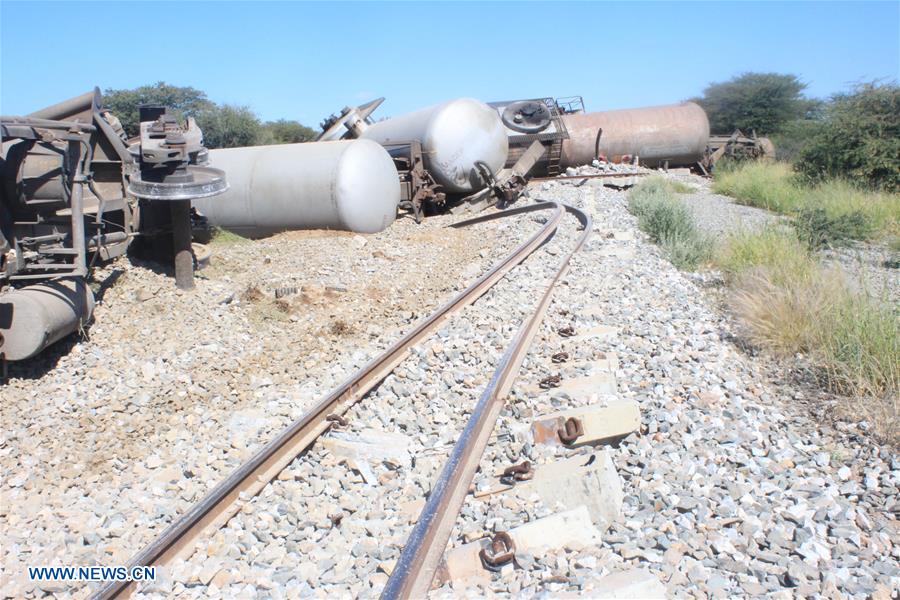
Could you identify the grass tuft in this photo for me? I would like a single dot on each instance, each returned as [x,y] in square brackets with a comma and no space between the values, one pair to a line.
[788,303]
[669,223]
[225,237]
[775,248]
[681,188]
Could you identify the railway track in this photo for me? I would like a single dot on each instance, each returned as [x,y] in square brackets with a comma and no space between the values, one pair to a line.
[425,546]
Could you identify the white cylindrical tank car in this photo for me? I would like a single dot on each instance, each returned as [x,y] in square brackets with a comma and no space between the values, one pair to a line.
[350,185]
[455,135]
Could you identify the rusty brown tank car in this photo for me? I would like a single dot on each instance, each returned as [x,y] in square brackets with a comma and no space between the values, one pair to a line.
[675,134]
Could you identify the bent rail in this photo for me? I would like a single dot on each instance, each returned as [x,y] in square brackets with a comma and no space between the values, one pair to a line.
[415,570]
[222,502]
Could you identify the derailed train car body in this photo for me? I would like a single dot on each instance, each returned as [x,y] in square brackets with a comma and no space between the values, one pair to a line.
[443,152]
[349,185]
[63,196]
[75,192]
[660,136]
[673,135]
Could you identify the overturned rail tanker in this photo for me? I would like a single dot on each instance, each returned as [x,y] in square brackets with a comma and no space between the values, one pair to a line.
[672,135]
[349,185]
[74,192]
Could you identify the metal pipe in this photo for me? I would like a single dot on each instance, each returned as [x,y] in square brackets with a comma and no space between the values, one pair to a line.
[47,124]
[77,207]
[68,108]
[181,243]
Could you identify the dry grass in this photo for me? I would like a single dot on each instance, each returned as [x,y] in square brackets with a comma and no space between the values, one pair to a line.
[829,213]
[789,304]
[252,294]
[340,327]
[778,314]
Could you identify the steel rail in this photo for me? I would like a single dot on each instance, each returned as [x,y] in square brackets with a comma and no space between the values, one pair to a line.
[414,572]
[221,503]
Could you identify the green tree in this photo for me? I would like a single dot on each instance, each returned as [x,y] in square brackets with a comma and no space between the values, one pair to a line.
[229,126]
[859,138]
[284,131]
[793,136]
[224,126]
[185,101]
[761,102]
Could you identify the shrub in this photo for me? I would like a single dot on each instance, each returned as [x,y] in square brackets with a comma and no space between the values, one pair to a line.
[859,138]
[819,229]
[659,215]
[687,251]
[792,138]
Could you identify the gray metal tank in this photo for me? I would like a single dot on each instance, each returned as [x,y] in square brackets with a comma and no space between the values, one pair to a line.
[677,133]
[36,316]
[350,185]
[454,136]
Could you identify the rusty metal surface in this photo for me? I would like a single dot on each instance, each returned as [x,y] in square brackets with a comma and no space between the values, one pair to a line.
[737,146]
[676,134]
[499,552]
[222,502]
[418,564]
[598,176]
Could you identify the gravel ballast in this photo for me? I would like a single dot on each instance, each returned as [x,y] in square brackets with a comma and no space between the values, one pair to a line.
[731,487]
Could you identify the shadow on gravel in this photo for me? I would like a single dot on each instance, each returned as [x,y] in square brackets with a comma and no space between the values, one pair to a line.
[43,363]
[107,283]
[46,361]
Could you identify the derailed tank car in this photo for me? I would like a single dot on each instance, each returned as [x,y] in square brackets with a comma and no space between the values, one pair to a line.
[64,203]
[69,198]
[446,151]
[675,134]
[349,185]
[455,137]
[659,136]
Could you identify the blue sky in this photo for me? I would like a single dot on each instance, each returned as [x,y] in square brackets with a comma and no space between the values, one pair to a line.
[305,60]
